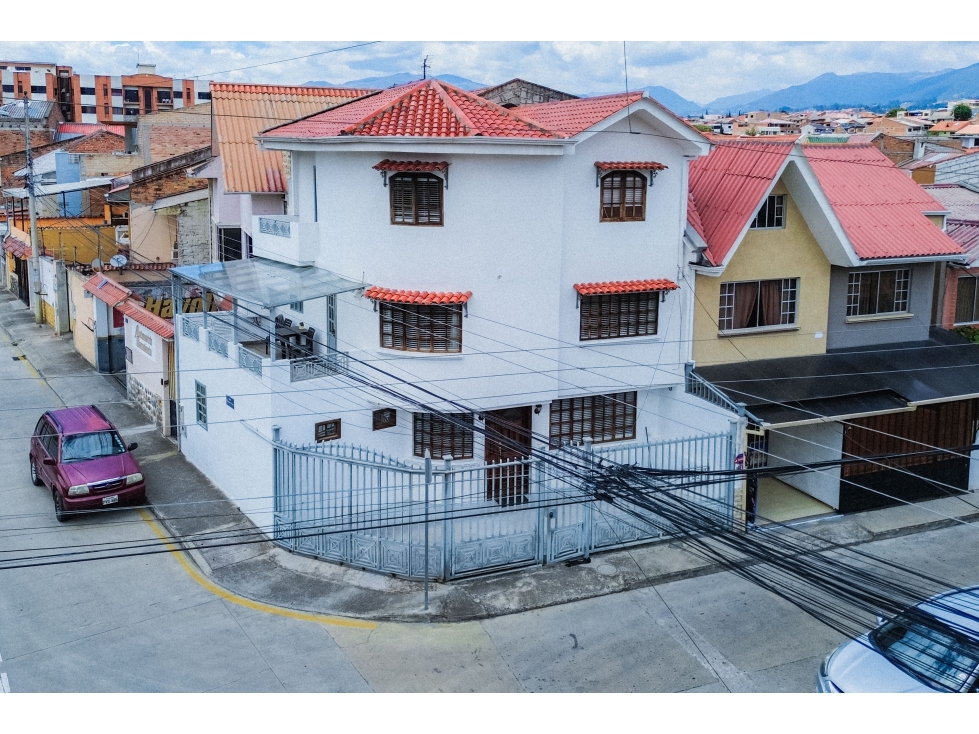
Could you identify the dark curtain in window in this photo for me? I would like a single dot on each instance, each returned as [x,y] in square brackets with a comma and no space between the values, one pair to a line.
[888,287]
[965,300]
[771,303]
[745,304]
[868,292]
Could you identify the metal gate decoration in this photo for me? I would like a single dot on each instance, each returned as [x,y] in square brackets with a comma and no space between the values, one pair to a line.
[363,508]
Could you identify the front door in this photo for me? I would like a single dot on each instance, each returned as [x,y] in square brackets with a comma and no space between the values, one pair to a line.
[508,441]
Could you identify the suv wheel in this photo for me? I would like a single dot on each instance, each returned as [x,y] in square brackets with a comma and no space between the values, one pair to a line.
[35,477]
[59,507]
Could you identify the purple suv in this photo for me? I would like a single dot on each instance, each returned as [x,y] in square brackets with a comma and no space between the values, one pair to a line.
[79,455]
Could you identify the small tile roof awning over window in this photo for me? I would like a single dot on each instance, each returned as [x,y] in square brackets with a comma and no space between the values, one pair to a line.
[107,291]
[625,286]
[266,282]
[411,166]
[629,166]
[156,324]
[20,250]
[426,298]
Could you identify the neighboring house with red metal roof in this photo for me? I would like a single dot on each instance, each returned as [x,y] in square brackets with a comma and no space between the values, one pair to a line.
[959,302]
[811,258]
[532,256]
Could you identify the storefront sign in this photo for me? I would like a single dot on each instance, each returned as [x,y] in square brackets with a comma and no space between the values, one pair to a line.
[327,430]
[163,307]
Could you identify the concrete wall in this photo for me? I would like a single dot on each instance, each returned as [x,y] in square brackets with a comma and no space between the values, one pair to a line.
[147,370]
[792,252]
[151,235]
[883,329]
[805,445]
[82,316]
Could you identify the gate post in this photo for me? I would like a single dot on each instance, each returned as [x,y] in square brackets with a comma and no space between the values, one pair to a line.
[587,518]
[447,499]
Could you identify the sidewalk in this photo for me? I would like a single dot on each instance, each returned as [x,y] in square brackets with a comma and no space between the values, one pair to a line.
[186,503]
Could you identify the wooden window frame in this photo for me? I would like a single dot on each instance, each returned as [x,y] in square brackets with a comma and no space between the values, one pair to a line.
[605,211]
[395,185]
[771,215]
[618,315]
[398,332]
[975,299]
[574,419]
[441,437]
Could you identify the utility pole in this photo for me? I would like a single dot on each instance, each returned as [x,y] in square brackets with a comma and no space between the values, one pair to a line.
[34,279]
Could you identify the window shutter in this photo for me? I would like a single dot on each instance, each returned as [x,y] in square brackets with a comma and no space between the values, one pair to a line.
[416,328]
[619,315]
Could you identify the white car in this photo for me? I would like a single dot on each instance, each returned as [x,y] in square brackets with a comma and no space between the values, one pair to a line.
[928,648]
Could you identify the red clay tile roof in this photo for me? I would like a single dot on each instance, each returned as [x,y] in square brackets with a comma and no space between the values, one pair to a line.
[20,250]
[162,327]
[419,297]
[242,111]
[948,126]
[107,291]
[727,187]
[625,286]
[879,207]
[573,116]
[629,166]
[428,108]
[413,166]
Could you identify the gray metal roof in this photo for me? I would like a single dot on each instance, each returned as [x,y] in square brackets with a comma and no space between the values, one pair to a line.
[15,110]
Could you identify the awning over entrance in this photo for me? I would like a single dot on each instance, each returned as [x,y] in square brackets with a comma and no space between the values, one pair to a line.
[848,384]
[266,282]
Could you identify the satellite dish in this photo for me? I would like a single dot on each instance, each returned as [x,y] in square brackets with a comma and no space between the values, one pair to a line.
[118,261]
[96,264]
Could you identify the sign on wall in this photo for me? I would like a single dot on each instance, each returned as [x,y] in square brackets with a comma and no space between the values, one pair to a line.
[385,418]
[144,341]
[163,307]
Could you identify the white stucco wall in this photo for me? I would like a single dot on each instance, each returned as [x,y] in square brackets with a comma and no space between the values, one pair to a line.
[808,444]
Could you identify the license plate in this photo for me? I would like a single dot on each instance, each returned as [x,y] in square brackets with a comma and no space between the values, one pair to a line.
[110,500]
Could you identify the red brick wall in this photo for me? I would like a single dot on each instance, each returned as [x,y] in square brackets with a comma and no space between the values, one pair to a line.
[951,291]
[17,160]
[167,142]
[169,184]
[12,140]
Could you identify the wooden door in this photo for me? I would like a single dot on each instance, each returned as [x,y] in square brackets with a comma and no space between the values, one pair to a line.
[508,442]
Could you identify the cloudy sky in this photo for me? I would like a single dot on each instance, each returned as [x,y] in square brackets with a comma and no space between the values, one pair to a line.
[700,71]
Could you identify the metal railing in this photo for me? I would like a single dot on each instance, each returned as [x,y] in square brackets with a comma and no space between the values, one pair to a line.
[318,365]
[190,328]
[217,342]
[357,506]
[250,361]
[697,386]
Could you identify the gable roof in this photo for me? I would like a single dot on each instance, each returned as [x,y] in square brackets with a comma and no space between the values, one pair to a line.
[727,187]
[962,203]
[574,116]
[241,111]
[879,207]
[427,108]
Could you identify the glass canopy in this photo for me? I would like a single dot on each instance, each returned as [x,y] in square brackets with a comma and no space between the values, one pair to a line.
[266,282]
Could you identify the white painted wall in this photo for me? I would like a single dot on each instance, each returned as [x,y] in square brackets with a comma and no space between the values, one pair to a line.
[804,445]
[149,354]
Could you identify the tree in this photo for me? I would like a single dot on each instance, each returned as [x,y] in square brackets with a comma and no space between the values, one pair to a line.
[751,131]
[961,112]
[704,128]
[893,112]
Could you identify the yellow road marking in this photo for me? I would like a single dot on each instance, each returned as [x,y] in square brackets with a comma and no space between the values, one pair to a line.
[242,601]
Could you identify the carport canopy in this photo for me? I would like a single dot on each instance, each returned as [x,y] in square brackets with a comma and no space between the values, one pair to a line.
[266,282]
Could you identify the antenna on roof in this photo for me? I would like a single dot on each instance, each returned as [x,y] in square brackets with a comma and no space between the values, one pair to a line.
[425,68]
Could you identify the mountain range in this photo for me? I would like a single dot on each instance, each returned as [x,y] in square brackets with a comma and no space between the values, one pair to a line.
[874,90]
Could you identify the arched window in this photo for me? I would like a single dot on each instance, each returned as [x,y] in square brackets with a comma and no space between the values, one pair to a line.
[623,197]
[416,198]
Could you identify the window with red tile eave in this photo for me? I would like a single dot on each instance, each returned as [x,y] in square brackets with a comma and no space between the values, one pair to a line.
[601,418]
[416,199]
[421,328]
[623,197]
[615,315]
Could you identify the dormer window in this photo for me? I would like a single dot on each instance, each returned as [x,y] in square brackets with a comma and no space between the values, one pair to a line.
[623,197]
[416,199]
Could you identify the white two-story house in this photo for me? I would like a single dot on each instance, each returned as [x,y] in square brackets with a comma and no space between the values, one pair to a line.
[520,269]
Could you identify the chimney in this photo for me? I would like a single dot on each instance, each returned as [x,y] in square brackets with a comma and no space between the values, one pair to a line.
[146,68]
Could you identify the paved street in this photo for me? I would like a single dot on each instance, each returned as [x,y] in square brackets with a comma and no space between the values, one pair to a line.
[146,624]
